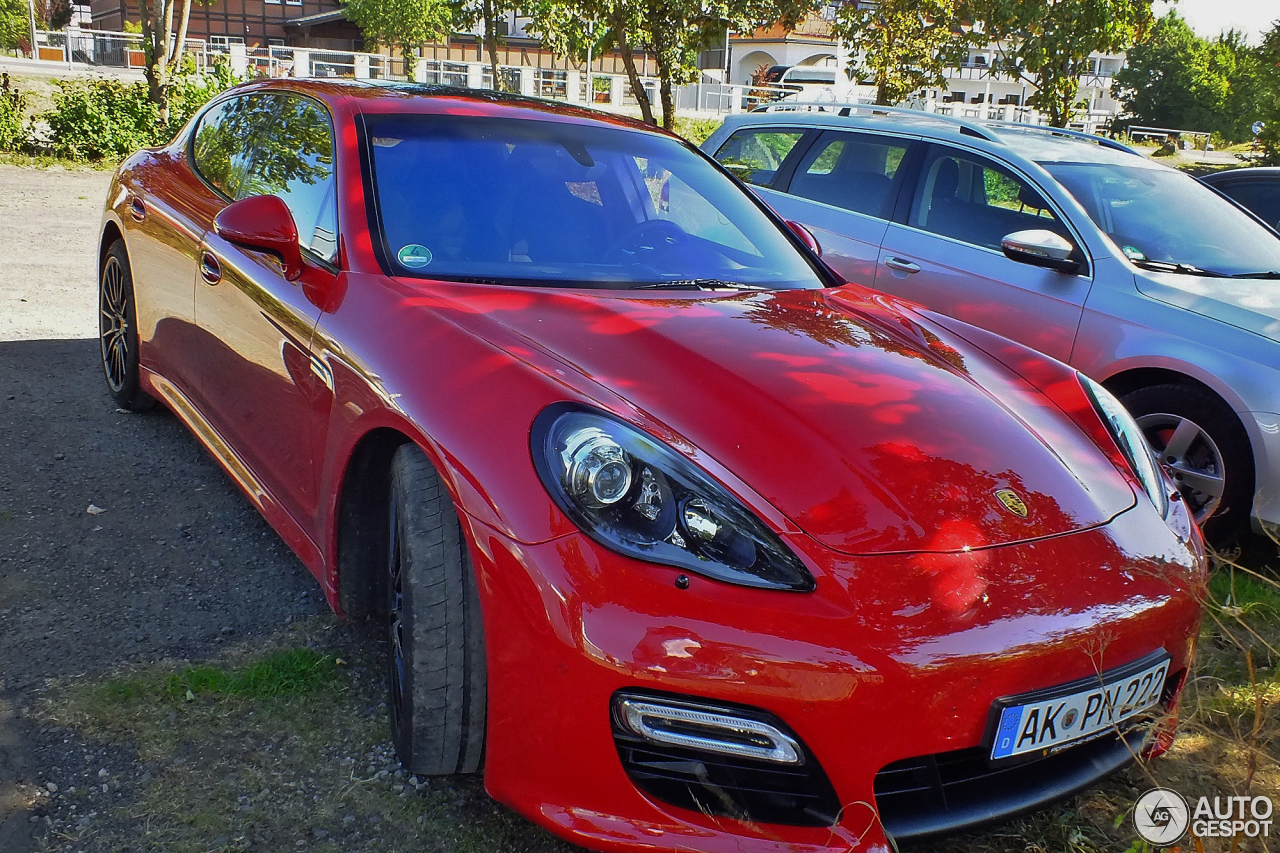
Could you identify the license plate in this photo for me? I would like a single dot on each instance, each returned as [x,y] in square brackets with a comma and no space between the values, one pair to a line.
[1043,722]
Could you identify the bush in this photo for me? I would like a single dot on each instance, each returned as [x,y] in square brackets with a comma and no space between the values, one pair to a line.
[13,103]
[108,119]
[93,119]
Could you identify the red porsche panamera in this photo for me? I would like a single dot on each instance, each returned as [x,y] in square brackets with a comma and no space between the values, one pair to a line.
[682,540]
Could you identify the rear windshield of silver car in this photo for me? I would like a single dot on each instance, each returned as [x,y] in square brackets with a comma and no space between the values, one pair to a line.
[540,203]
[1167,221]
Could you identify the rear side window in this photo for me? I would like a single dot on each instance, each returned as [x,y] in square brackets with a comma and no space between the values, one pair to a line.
[975,200]
[221,147]
[755,155]
[853,171]
[1262,197]
[294,161]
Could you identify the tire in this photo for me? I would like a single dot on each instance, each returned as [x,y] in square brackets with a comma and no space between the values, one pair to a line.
[435,649]
[1213,446]
[118,331]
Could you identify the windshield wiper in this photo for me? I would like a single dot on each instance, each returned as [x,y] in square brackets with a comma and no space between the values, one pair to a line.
[1266,274]
[1175,266]
[698,284]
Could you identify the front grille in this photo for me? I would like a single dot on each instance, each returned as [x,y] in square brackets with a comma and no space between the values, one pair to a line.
[953,791]
[726,786]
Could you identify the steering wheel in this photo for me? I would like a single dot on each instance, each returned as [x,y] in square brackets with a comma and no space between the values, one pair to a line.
[644,240]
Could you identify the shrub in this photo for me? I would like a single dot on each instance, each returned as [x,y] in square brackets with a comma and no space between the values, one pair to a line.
[103,118]
[93,119]
[13,103]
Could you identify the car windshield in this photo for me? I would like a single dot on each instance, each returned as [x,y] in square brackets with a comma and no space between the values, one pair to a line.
[1165,220]
[511,201]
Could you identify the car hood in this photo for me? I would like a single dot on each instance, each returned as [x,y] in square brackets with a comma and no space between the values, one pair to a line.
[861,424]
[1251,304]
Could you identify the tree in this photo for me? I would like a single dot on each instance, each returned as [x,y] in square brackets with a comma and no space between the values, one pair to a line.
[15,30]
[574,28]
[673,31]
[903,45]
[1269,88]
[404,25]
[486,13]
[1176,79]
[1047,43]
[163,49]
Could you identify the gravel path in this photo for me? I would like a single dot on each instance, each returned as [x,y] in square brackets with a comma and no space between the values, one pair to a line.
[175,565]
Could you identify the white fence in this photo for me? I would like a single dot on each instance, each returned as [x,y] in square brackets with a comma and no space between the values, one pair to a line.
[706,99]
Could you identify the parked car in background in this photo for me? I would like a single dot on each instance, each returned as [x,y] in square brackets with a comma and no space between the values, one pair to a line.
[1256,188]
[669,531]
[1132,272]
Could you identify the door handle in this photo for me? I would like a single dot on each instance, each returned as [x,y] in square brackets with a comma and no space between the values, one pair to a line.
[210,269]
[137,209]
[900,265]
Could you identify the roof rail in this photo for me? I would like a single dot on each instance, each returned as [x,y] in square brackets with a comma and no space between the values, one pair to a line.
[844,108]
[1063,131]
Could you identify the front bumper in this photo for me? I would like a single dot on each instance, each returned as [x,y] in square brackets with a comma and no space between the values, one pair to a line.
[894,657]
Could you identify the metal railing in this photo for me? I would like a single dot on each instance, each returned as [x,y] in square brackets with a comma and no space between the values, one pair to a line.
[601,90]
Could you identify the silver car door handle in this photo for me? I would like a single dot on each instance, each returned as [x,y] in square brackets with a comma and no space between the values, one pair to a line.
[210,269]
[900,265]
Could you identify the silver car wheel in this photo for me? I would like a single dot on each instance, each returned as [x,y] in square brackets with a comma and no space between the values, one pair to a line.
[1192,457]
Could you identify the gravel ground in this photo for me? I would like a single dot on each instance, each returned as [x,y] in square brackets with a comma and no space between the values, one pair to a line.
[176,564]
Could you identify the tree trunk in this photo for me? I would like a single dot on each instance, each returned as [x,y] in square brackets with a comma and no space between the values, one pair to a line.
[491,41]
[882,93]
[629,62]
[668,102]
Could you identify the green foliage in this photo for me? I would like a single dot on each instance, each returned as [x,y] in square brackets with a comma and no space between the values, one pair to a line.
[100,118]
[404,25]
[673,32]
[15,27]
[1269,95]
[696,130]
[1176,79]
[1048,42]
[902,45]
[13,104]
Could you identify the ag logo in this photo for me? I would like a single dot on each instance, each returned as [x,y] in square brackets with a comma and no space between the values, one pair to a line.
[1161,816]
[1012,501]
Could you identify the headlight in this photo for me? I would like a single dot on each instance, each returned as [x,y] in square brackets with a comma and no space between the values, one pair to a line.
[636,496]
[1132,443]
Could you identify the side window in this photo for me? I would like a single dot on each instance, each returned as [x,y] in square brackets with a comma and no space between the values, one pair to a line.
[295,162]
[970,198]
[755,155]
[850,170]
[221,146]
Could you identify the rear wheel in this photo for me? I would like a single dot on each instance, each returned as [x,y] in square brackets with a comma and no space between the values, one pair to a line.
[435,649]
[118,331]
[1202,443]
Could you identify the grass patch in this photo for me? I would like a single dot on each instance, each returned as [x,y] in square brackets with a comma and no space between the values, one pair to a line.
[48,161]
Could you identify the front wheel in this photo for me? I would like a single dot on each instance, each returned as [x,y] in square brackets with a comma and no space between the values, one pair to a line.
[118,331]
[1205,448]
[435,648]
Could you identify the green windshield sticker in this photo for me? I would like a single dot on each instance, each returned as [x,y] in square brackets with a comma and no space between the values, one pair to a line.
[415,256]
[1134,254]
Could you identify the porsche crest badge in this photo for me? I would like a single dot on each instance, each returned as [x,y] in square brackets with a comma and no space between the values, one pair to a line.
[1012,501]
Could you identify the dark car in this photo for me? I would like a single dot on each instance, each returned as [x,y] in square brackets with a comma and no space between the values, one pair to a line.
[1257,189]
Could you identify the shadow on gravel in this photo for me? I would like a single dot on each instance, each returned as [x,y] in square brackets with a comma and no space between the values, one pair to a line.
[170,562]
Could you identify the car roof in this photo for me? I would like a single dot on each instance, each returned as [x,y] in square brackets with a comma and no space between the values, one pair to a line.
[1227,175]
[381,96]
[1038,143]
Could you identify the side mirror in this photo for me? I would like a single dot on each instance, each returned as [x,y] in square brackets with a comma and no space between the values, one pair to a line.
[263,222]
[1040,248]
[806,237]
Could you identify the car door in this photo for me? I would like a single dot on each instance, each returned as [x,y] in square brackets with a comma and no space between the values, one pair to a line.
[843,190]
[944,252]
[260,381]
